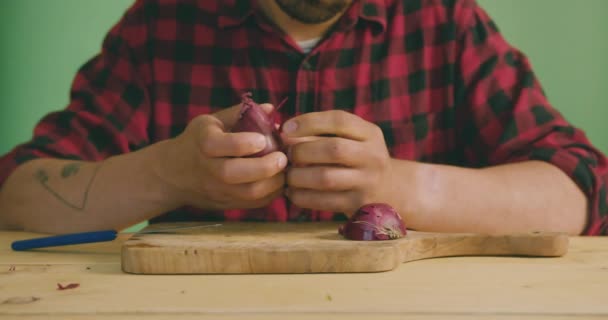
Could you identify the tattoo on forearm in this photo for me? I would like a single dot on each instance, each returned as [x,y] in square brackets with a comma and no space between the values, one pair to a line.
[42,176]
[67,171]
[70,170]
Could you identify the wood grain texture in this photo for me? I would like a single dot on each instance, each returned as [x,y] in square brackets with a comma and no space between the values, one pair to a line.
[569,287]
[237,248]
[320,315]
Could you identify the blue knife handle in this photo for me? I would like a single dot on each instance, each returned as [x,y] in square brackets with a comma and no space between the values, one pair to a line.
[64,240]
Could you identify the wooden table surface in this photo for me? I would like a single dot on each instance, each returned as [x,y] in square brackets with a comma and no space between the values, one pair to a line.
[574,286]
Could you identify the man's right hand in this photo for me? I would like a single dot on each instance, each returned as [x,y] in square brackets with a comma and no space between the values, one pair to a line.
[206,166]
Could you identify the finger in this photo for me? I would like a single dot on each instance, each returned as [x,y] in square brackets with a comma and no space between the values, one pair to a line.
[338,151]
[259,203]
[246,170]
[216,143]
[288,141]
[324,178]
[334,122]
[339,201]
[228,116]
[259,190]
[267,107]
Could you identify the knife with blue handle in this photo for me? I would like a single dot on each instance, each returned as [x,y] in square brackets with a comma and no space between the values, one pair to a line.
[87,237]
[64,240]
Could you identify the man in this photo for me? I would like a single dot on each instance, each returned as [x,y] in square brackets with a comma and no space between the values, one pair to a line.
[420,104]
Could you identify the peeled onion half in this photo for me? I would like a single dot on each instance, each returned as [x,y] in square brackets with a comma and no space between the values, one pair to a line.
[374,221]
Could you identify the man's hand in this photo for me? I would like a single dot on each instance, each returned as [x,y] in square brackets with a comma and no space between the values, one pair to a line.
[346,166]
[206,165]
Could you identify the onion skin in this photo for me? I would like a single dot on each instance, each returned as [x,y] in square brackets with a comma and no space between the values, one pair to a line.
[374,221]
[252,118]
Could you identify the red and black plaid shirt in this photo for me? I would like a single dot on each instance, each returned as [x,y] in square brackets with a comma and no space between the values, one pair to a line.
[436,76]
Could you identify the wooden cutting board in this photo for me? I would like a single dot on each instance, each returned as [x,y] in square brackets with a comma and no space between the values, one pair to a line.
[234,248]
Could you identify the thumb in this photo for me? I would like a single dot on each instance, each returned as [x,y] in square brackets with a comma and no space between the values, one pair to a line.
[231,115]
[267,107]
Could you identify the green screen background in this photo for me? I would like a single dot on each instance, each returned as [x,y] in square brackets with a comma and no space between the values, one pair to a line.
[43,43]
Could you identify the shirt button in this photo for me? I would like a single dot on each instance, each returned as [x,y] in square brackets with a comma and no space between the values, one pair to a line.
[306,65]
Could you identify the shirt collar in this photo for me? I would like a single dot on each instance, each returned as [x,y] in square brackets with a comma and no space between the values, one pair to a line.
[374,11]
[233,13]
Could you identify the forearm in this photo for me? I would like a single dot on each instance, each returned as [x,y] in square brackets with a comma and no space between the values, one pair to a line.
[58,196]
[519,197]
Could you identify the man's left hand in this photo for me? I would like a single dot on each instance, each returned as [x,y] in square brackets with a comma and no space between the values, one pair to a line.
[339,162]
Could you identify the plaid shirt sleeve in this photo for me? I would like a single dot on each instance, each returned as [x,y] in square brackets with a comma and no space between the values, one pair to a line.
[508,118]
[108,110]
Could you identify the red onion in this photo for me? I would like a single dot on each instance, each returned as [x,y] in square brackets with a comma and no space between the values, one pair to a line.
[374,221]
[252,118]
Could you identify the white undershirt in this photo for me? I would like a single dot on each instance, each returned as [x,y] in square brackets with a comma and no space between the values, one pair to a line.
[307,45]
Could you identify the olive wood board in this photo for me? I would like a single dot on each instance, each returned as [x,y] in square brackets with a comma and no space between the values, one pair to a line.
[311,247]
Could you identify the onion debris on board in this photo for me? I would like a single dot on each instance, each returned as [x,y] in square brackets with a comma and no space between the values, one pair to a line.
[374,221]
[252,118]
